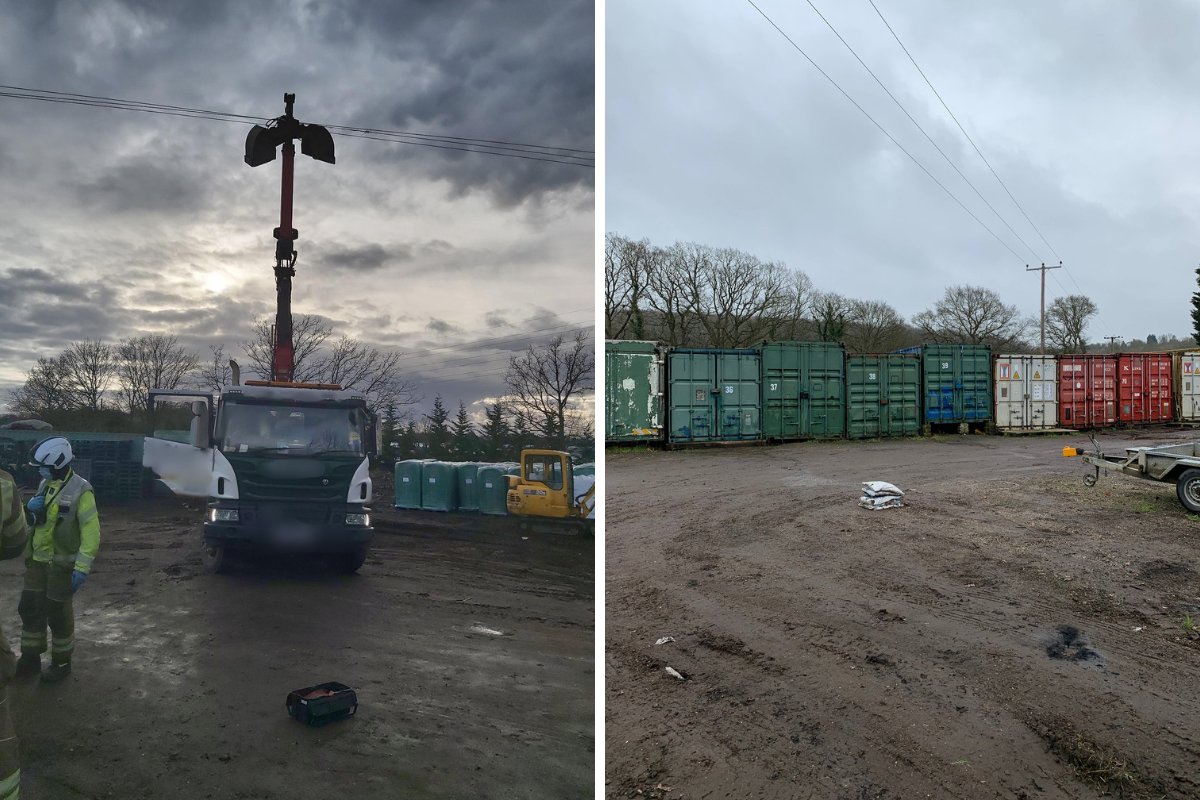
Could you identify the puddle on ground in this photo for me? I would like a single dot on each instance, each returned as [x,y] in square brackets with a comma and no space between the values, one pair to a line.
[1069,644]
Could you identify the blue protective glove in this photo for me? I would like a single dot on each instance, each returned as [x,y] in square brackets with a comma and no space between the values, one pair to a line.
[36,503]
[77,580]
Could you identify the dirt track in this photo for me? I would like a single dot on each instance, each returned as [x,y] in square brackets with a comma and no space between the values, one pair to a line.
[1010,633]
[180,677]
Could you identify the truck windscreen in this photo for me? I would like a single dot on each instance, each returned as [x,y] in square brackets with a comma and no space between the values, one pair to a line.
[289,430]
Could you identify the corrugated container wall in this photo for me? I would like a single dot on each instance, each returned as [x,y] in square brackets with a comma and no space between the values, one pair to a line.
[883,396]
[1187,385]
[1026,392]
[1144,391]
[633,391]
[803,390]
[713,395]
[1087,391]
[957,381]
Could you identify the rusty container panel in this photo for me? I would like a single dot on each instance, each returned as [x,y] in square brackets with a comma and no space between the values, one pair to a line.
[1144,388]
[1187,385]
[1026,392]
[1087,391]
[633,391]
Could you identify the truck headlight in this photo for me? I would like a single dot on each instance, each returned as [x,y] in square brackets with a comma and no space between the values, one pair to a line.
[358,519]
[223,515]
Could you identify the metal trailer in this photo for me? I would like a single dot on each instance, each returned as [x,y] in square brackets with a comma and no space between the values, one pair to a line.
[1172,463]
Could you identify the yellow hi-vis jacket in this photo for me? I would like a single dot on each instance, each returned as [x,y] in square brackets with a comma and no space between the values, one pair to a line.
[70,534]
[13,532]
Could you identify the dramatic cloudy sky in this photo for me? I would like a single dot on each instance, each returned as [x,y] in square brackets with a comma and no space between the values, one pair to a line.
[117,223]
[718,131]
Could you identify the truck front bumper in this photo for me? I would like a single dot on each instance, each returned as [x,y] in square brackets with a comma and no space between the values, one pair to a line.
[308,527]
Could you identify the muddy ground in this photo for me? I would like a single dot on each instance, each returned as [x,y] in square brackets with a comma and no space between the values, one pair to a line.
[471,650]
[1009,633]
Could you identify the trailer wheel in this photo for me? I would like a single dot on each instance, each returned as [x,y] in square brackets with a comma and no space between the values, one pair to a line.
[215,558]
[1089,480]
[1188,490]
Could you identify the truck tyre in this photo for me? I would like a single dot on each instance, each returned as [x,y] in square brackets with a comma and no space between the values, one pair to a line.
[215,557]
[1188,490]
[350,563]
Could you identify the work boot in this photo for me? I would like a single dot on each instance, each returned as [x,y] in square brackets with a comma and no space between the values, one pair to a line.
[28,664]
[56,672]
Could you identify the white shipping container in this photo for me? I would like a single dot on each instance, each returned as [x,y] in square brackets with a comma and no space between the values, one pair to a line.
[1189,386]
[1026,392]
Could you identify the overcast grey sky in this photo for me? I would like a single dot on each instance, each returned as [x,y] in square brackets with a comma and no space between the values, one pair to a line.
[118,223]
[718,131]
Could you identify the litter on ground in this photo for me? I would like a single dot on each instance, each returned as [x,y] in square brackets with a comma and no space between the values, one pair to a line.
[878,495]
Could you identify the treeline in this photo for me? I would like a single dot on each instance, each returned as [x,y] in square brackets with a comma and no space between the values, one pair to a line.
[101,386]
[506,430]
[695,295]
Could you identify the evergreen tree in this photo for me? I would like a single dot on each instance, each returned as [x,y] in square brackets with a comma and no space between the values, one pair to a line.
[495,432]
[438,432]
[410,441]
[391,429]
[463,433]
[520,431]
[1196,310]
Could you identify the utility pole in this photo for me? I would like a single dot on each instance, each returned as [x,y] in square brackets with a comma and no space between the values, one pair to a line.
[1112,340]
[1042,269]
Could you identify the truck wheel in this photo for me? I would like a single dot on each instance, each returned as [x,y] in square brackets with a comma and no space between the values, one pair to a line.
[349,563]
[215,558]
[1188,490]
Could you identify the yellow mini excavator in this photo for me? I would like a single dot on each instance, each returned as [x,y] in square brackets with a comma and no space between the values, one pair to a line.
[545,490]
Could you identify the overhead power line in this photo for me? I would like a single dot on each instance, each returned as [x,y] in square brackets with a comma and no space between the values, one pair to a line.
[884,131]
[549,153]
[900,105]
[964,131]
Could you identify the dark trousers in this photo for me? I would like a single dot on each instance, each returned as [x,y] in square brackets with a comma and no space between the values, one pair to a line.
[46,601]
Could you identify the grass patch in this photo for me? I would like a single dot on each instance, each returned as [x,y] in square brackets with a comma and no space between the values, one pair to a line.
[1188,624]
[1096,765]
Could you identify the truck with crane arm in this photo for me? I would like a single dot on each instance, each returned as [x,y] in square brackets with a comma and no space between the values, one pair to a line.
[289,461]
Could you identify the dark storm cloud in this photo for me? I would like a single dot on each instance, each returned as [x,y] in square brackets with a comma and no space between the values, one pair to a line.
[496,319]
[366,258]
[22,282]
[440,326]
[144,186]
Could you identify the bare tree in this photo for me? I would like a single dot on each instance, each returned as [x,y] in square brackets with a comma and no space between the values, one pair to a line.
[733,294]
[831,316]
[358,366]
[973,315]
[799,298]
[87,369]
[627,265]
[309,333]
[1066,320]
[215,373]
[152,361]
[665,279]
[545,381]
[45,389]
[874,327]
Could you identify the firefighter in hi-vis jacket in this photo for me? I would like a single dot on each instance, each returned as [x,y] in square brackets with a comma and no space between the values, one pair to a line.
[62,545]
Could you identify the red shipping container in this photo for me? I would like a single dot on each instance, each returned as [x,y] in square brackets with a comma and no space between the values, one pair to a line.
[1145,390]
[1087,391]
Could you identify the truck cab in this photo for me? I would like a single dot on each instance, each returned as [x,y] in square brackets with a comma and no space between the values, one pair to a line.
[289,471]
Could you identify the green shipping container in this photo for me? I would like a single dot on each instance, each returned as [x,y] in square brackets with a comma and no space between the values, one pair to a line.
[713,395]
[467,475]
[957,381]
[493,487]
[633,391]
[408,483]
[883,396]
[803,390]
[439,486]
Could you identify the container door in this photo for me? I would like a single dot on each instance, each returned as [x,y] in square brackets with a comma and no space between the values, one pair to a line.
[902,375]
[691,397]
[1010,401]
[864,397]
[1189,386]
[825,376]
[738,397]
[975,380]
[939,385]
[1159,400]
[1042,390]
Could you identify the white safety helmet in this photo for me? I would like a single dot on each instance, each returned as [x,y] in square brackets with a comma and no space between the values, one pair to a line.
[54,452]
